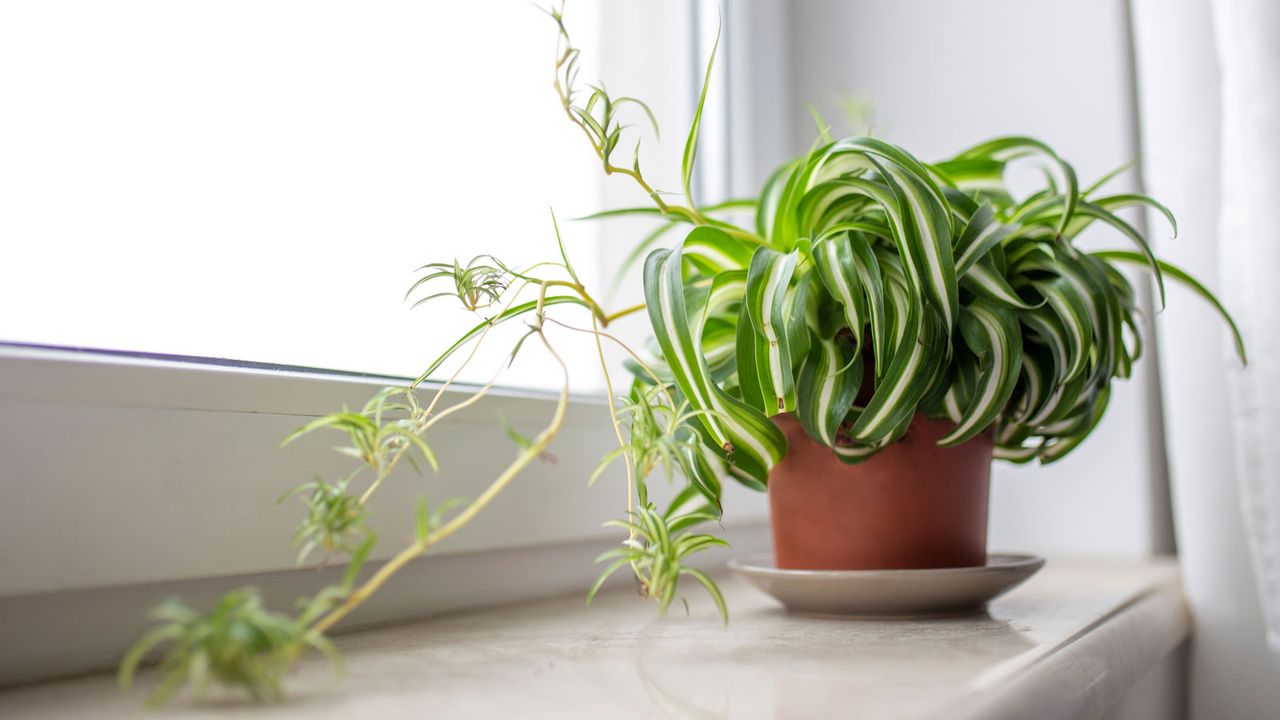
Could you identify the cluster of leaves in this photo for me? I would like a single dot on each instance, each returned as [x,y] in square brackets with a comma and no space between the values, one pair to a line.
[478,284]
[389,424]
[238,644]
[656,548]
[335,520]
[663,437]
[968,305]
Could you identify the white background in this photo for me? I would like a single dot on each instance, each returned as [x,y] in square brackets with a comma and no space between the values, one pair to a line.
[259,180]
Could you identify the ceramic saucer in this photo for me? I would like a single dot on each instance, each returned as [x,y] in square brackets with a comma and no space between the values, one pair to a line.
[888,593]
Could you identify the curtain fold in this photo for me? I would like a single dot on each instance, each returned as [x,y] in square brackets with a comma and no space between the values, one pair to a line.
[1208,85]
[1248,42]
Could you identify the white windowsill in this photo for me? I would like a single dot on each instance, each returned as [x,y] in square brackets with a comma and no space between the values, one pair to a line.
[1066,644]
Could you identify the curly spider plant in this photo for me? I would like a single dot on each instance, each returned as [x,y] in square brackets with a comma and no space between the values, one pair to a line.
[968,304]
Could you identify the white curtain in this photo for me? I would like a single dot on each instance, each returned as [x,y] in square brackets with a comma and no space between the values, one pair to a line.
[1248,40]
[1208,76]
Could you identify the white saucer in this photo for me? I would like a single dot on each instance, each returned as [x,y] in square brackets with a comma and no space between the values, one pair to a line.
[888,593]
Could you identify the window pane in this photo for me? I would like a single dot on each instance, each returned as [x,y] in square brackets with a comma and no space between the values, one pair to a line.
[258,180]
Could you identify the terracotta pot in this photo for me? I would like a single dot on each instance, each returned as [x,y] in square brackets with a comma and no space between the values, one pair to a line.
[912,505]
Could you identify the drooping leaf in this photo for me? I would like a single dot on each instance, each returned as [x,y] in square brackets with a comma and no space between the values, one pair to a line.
[905,381]
[1007,149]
[1186,279]
[826,388]
[767,281]
[982,233]
[749,439]
[993,334]
[836,266]
[986,280]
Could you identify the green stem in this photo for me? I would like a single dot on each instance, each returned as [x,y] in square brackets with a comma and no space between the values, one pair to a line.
[535,449]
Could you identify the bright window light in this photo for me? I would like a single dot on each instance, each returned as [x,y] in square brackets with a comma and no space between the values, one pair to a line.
[258,180]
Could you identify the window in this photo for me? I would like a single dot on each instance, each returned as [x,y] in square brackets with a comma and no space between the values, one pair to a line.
[258,180]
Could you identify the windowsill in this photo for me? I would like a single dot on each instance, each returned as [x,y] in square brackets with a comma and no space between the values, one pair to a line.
[1070,641]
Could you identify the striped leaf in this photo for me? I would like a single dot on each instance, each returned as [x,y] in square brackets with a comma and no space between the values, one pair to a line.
[767,206]
[1132,234]
[1113,203]
[1073,320]
[750,440]
[853,453]
[917,212]
[827,385]
[982,233]
[867,269]
[795,312]
[1057,447]
[927,230]
[986,280]
[992,333]
[713,251]
[1034,386]
[719,348]
[768,279]
[1182,276]
[836,266]
[749,385]
[727,290]
[1007,149]
[905,381]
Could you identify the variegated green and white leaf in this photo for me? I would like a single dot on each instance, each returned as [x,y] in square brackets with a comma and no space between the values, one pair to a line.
[1132,234]
[752,443]
[867,268]
[993,334]
[917,211]
[1114,203]
[768,279]
[835,264]
[1055,448]
[852,454]
[1185,278]
[1073,320]
[1007,149]
[927,230]
[985,280]
[827,385]
[714,251]
[905,381]
[982,233]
